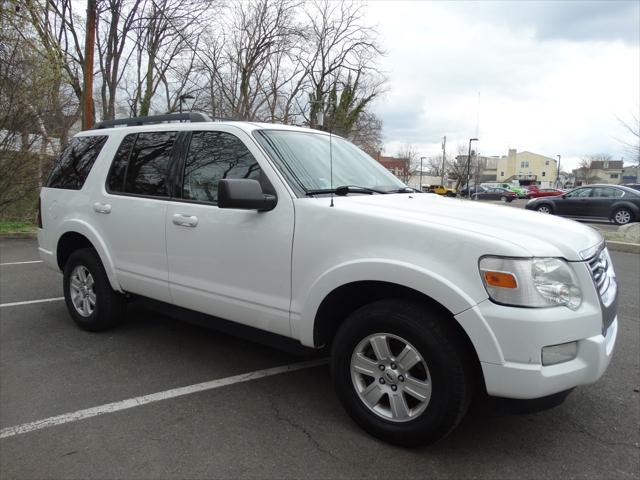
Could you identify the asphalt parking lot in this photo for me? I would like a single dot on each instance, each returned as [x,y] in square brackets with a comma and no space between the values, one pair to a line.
[285,425]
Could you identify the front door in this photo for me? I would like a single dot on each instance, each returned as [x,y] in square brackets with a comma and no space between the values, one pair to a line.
[233,264]
[575,203]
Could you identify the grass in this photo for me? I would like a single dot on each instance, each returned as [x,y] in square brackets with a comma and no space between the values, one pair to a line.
[16,226]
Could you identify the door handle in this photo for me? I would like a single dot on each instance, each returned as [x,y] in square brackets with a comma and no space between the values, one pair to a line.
[102,207]
[183,220]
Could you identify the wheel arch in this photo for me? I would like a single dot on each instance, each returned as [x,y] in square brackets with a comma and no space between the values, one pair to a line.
[347,298]
[79,235]
[635,211]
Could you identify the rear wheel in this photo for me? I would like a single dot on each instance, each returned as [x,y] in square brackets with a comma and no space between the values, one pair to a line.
[401,373]
[91,301]
[622,216]
[503,199]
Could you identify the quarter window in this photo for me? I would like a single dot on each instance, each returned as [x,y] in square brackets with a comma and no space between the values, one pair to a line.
[213,156]
[73,167]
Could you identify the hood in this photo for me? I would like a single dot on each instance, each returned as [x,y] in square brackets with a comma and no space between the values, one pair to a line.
[537,233]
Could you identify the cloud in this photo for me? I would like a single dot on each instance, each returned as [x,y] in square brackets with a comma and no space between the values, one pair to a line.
[551,80]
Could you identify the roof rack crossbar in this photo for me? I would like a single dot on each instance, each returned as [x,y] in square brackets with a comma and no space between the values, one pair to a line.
[169,117]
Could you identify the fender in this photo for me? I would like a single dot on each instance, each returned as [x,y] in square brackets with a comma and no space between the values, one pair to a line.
[624,204]
[431,284]
[79,225]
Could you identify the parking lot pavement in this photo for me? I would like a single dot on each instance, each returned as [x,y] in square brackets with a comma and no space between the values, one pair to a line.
[282,426]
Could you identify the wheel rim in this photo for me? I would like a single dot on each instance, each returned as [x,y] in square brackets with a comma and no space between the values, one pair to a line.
[543,209]
[622,217]
[504,199]
[81,288]
[390,377]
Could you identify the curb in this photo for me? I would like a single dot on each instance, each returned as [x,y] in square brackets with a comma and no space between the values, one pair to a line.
[623,246]
[18,235]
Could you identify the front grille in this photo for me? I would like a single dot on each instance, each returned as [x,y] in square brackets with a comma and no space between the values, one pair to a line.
[604,279]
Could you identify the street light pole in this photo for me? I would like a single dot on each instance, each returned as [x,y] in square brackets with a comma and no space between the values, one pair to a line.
[469,166]
[184,97]
[421,158]
[444,156]
[558,176]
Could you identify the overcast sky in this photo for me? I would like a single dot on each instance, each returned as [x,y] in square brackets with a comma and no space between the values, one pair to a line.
[552,75]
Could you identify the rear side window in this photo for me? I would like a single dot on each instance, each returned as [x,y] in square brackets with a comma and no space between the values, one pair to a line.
[141,164]
[72,168]
[213,156]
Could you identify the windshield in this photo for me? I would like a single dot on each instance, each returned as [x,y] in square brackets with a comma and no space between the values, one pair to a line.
[303,159]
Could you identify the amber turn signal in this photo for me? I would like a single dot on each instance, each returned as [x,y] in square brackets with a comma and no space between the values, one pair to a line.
[500,279]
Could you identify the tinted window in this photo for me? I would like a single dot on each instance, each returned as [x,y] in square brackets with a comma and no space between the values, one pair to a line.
[149,164]
[213,156]
[72,168]
[607,192]
[580,193]
[115,181]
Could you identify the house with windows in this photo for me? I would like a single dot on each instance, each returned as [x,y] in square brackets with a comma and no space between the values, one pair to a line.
[527,168]
[600,171]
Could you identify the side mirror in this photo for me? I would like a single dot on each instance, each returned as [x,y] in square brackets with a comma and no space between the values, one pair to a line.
[244,194]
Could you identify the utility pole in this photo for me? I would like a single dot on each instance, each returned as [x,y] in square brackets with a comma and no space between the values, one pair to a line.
[89,44]
[469,167]
[444,157]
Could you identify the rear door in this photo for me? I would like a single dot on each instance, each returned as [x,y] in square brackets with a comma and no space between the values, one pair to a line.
[131,209]
[603,199]
[233,264]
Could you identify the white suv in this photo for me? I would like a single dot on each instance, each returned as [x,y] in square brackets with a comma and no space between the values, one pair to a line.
[424,301]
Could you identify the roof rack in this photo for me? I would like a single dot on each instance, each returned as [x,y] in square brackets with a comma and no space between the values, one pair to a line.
[169,117]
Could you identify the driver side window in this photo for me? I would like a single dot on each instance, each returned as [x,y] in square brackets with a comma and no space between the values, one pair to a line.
[213,156]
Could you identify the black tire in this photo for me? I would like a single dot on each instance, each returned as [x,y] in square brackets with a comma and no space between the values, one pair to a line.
[541,208]
[442,350]
[504,199]
[109,309]
[622,216]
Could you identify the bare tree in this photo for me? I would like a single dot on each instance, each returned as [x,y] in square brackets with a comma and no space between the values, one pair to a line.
[115,20]
[409,155]
[632,128]
[340,43]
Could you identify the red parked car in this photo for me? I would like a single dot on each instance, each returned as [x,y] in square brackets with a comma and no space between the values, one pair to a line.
[536,192]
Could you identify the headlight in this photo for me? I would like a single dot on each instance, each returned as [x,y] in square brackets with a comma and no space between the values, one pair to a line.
[530,282]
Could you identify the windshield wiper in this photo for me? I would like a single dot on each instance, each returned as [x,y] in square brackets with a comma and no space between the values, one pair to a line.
[344,190]
[404,190]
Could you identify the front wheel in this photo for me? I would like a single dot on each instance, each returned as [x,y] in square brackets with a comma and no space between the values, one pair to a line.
[401,372]
[543,209]
[90,300]
[622,216]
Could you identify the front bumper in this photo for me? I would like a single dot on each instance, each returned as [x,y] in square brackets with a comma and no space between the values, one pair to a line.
[524,381]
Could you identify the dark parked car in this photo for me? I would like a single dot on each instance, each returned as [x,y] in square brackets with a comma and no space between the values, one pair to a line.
[635,186]
[617,203]
[495,194]
[463,192]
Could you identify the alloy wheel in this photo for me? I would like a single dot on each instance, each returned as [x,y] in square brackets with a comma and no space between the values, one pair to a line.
[544,209]
[622,217]
[390,377]
[81,287]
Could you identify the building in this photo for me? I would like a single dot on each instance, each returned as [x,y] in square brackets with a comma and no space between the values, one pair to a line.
[600,171]
[527,168]
[630,175]
[398,166]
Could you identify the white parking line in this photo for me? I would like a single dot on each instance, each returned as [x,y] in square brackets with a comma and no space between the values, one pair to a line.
[29,302]
[20,263]
[154,397]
